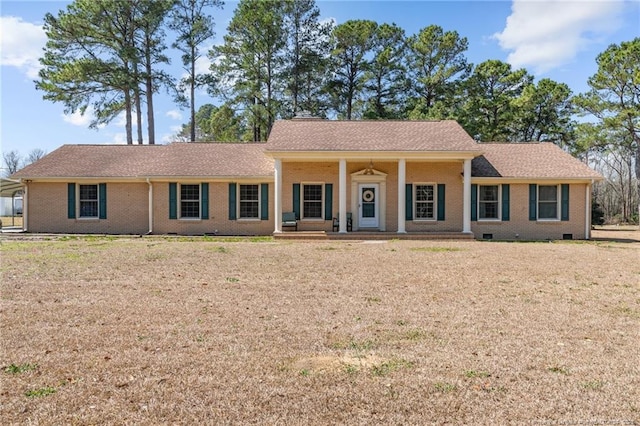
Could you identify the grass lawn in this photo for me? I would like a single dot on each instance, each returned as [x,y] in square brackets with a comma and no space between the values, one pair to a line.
[153,330]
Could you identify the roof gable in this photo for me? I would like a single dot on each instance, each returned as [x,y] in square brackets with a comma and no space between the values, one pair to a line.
[340,135]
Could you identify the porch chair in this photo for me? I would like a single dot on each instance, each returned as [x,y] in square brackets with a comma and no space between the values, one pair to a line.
[289,220]
[336,223]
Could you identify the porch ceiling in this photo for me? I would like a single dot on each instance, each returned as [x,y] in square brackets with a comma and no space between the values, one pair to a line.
[8,187]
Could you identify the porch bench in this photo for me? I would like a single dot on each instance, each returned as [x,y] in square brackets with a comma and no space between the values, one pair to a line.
[289,220]
[336,223]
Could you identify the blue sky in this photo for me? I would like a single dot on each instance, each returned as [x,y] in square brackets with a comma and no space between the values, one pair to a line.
[550,38]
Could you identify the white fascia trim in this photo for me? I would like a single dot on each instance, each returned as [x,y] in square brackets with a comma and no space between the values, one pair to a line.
[374,155]
[544,181]
[249,179]
[89,179]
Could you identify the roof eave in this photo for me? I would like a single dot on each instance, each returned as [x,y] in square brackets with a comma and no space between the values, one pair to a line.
[373,155]
[226,178]
[533,179]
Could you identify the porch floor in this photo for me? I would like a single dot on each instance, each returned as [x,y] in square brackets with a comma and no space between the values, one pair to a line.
[369,235]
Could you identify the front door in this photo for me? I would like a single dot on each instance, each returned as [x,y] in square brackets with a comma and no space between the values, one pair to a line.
[368,210]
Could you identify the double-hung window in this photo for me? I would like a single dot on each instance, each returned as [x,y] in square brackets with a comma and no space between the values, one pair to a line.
[548,202]
[488,202]
[88,198]
[312,201]
[250,201]
[425,201]
[189,201]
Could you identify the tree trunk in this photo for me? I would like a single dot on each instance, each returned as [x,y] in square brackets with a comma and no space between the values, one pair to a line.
[138,102]
[128,128]
[151,124]
[192,94]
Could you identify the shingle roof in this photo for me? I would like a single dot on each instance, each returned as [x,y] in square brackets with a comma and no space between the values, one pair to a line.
[332,135]
[529,160]
[506,160]
[131,161]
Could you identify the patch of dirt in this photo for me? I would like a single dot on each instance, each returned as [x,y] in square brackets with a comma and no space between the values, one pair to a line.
[332,364]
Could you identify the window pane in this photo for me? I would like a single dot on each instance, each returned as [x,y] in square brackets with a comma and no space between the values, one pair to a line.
[249,192]
[312,201]
[89,192]
[249,201]
[313,192]
[424,210]
[190,209]
[425,201]
[548,193]
[547,202]
[488,210]
[424,192]
[489,193]
[312,210]
[88,209]
[547,210]
[248,209]
[88,200]
[190,192]
[190,201]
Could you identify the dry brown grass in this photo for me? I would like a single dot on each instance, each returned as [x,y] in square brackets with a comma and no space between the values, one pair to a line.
[191,331]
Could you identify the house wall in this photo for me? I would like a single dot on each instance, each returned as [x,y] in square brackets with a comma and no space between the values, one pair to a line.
[519,227]
[424,172]
[448,174]
[218,222]
[326,172]
[127,206]
[127,210]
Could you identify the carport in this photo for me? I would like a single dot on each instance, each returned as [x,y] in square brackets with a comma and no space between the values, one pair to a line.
[11,188]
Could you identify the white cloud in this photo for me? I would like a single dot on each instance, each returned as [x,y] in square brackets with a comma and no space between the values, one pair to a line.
[21,44]
[78,119]
[550,33]
[170,137]
[203,63]
[121,119]
[119,139]
[174,114]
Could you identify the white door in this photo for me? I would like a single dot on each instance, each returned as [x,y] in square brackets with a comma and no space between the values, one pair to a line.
[368,209]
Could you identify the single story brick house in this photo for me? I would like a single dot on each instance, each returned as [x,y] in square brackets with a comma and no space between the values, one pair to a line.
[385,176]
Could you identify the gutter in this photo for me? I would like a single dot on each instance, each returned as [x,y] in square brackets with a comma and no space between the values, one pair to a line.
[150,206]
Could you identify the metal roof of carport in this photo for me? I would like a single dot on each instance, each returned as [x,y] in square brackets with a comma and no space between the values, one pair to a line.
[9,187]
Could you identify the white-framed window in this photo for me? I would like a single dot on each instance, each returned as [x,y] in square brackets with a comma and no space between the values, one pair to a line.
[312,200]
[189,201]
[548,202]
[488,202]
[249,201]
[88,201]
[424,201]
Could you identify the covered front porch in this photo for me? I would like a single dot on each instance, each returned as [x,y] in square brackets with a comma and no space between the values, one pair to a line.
[428,196]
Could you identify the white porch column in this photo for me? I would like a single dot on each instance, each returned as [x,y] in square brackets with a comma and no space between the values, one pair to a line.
[277,195]
[402,178]
[466,202]
[25,208]
[342,196]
